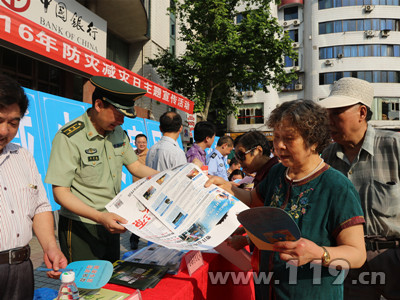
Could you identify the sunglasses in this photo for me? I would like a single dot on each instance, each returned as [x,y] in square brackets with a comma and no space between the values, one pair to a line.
[241,156]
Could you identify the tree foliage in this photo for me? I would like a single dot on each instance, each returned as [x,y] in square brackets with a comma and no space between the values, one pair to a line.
[222,57]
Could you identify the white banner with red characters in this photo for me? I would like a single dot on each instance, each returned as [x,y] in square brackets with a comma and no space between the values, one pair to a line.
[31,36]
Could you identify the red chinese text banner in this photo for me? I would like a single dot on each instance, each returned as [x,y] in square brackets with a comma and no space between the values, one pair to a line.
[29,35]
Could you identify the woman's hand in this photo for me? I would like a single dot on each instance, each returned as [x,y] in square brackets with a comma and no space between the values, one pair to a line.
[298,253]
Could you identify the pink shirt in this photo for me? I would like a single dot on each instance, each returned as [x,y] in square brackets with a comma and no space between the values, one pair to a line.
[22,196]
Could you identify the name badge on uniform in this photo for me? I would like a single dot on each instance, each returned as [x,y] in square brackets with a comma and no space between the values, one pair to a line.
[93,158]
[221,164]
[213,155]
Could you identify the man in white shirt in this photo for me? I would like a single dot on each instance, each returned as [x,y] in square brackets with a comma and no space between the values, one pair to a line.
[23,203]
[166,153]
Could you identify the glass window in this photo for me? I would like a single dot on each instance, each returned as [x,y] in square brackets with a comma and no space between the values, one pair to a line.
[337,50]
[329,52]
[368,50]
[375,24]
[368,76]
[377,76]
[367,25]
[346,74]
[382,2]
[384,50]
[329,78]
[396,50]
[290,13]
[396,2]
[321,79]
[338,3]
[389,50]
[360,25]
[345,2]
[328,3]
[338,26]
[347,51]
[361,51]
[390,24]
[294,35]
[353,2]
[322,28]
[360,2]
[338,75]
[239,18]
[389,2]
[391,76]
[322,52]
[321,4]
[288,61]
[360,75]
[384,76]
[376,50]
[329,27]
[351,25]
[382,24]
[375,2]
[367,2]
[354,51]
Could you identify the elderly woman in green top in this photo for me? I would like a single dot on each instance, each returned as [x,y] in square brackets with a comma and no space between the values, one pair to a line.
[321,200]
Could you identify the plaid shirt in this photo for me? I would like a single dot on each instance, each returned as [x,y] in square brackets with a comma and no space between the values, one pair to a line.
[375,173]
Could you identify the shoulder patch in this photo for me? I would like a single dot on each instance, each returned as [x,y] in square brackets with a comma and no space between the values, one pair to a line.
[213,155]
[73,128]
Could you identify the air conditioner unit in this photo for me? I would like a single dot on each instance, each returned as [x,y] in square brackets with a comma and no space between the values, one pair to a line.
[249,93]
[296,45]
[296,68]
[369,8]
[340,55]
[385,32]
[369,33]
[328,62]
[285,24]
[298,87]
[296,23]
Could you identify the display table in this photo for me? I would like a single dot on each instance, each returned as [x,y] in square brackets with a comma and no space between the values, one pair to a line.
[198,286]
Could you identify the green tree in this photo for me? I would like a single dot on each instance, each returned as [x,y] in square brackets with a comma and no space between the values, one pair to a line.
[223,56]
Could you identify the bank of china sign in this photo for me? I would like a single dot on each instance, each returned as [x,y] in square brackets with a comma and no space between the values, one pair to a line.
[66,18]
[20,31]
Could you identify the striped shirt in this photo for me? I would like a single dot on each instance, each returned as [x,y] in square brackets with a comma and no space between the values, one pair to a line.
[22,196]
[375,173]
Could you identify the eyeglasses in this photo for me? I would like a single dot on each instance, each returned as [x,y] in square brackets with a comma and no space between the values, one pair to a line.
[241,156]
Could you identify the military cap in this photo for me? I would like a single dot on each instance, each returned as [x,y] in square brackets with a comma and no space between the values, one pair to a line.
[118,93]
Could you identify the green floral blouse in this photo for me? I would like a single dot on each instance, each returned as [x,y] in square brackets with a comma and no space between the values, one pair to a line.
[321,205]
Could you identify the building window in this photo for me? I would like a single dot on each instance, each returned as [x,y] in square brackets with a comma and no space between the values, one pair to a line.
[40,76]
[359,51]
[325,4]
[294,35]
[117,50]
[291,13]
[370,76]
[251,114]
[358,25]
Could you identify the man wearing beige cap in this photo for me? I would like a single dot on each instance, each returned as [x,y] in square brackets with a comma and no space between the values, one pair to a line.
[370,158]
[85,170]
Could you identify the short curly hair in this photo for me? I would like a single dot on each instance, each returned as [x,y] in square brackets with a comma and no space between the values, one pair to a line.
[309,118]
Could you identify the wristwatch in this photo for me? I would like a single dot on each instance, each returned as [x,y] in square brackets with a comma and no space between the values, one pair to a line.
[326,258]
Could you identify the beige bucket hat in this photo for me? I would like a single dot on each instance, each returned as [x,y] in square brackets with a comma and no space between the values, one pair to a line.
[349,91]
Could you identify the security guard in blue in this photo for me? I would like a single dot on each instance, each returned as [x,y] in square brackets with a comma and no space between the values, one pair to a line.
[85,171]
[216,160]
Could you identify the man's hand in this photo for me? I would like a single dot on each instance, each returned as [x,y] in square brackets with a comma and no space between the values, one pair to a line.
[54,259]
[112,222]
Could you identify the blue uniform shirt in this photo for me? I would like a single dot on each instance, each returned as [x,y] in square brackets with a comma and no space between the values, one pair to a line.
[216,164]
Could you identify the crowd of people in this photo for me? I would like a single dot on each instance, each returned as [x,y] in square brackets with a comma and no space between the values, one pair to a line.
[331,171]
